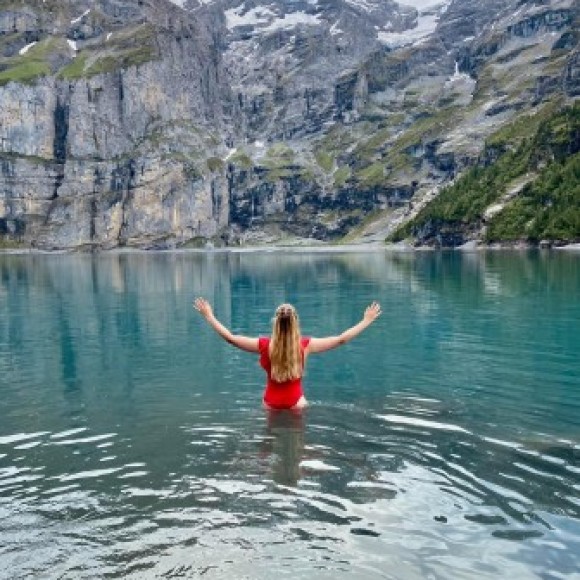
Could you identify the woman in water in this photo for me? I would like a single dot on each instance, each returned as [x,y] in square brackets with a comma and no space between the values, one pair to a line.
[284,354]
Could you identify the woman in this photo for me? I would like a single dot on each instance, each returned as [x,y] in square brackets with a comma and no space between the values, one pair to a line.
[284,354]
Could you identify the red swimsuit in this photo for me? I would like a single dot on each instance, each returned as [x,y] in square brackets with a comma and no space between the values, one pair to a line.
[280,395]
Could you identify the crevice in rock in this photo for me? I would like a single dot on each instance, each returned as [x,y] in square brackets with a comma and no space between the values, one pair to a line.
[216,200]
[93,218]
[59,178]
[121,93]
[123,182]
[61,119]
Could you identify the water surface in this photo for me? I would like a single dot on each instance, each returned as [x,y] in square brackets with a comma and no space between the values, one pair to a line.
[442,443]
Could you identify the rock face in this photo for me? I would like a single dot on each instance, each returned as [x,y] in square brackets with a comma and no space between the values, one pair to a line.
[101,149]
[160,124]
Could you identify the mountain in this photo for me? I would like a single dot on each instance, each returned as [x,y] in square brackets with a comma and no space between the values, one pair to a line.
[160,124]
[529,193]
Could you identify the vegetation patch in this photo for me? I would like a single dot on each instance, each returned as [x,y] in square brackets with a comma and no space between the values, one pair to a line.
[382,158]
[430,125]
[280,152]
[341,176]
[555,65]
[372,175]
[525,127]
[547,209]
[10,244]
[11,157]
[336,141]
[130,48]
[486,85]
[368,219]
[28,67]
[76,68]
[370,147]
[306,173]
[191,171]
[513,54]
[549,206]
[215,164]
[276,173]
[241,159]
[324,160]
[279,159]
[196,242]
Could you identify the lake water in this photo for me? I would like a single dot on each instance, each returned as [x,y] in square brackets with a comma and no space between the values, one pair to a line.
[444,442]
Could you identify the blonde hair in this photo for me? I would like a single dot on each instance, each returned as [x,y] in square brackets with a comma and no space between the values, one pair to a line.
[285,353]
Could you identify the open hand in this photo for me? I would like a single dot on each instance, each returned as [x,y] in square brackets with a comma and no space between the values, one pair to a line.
[203,307]
[372,312]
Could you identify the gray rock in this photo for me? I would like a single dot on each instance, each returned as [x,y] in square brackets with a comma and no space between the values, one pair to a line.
[156,125]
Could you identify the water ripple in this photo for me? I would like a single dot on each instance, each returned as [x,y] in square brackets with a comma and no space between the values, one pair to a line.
[132,444]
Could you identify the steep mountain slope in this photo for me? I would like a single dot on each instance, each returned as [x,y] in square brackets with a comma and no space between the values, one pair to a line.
[232,121]
[105,109]
[329,142]
[529,193]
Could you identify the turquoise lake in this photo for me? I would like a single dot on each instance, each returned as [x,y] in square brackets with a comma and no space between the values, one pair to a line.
[444,442]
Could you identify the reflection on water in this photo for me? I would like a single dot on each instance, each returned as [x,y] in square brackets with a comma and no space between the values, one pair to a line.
[444,442]
[285,439]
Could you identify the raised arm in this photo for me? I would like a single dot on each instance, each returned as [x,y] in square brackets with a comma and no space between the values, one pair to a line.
[371,313]
[242,342]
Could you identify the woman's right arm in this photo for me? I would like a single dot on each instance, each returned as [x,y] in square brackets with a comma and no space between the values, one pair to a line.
[316,345]
[242,342]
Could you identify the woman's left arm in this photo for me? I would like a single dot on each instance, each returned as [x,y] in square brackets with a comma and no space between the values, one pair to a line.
[242,342]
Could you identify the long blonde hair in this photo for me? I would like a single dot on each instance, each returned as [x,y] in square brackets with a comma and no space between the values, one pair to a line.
[285,354]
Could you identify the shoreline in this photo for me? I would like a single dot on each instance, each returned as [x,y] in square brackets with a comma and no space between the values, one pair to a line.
[296,248]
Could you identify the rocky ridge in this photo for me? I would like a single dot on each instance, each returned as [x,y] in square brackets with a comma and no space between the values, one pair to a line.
[152,124]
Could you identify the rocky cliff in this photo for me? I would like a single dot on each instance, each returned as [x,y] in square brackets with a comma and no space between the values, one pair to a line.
[159,124]
[109,113]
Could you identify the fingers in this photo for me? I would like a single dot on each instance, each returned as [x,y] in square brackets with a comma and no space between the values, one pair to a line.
[374,309]
[200,304]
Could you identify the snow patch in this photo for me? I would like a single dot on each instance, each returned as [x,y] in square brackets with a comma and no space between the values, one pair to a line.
[429,13]
[425,26]
[423,5]
[181,3]
[457,76]
[26,48]
[230,153]
[366,5]
[253,17]
[334,29]
[75,20]
[267,20]
[493,210]
[290,21]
